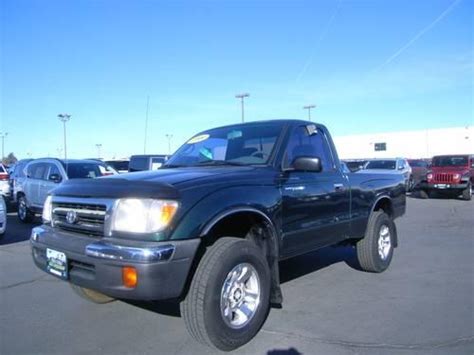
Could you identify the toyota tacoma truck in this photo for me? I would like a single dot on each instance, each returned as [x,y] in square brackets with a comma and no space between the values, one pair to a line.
[209,228]
[449,175]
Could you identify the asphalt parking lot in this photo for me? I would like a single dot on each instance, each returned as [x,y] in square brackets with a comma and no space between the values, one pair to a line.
[423,304]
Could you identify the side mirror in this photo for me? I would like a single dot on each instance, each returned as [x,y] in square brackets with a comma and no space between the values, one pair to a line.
[307,164]
[400,167]
[56,178]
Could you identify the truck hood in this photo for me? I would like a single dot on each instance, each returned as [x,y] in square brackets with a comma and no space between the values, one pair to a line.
[379,171]
[162,183]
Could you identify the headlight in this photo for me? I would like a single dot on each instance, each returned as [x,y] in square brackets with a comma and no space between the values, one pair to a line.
[456,176]
[47,210]
[134,215]
[429,176]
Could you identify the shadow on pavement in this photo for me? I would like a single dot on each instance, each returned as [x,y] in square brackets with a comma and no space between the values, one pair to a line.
[289,270]
[290,351]
[305,264]
[16,231]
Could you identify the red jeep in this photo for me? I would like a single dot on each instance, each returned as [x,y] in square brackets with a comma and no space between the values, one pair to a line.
[449,175]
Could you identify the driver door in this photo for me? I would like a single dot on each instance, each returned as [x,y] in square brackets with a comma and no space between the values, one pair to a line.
[316,205]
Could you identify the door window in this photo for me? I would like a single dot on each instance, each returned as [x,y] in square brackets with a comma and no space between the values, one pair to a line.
[302,143]
[53,169]
[38,171]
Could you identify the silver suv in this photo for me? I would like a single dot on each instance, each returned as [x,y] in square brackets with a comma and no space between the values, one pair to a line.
[43,175]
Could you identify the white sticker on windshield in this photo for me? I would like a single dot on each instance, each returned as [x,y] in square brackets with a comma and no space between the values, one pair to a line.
[198,139]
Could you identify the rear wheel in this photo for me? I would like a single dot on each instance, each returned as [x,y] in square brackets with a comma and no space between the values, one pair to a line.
[25,215]
[467,193]
[375,251]
[229,297]
[91,295]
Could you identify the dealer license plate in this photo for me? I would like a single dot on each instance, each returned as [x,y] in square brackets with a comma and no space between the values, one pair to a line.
[56,263]
[441,186]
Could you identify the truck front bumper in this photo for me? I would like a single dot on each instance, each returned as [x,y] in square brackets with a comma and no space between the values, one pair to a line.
[443,186]
[97,263]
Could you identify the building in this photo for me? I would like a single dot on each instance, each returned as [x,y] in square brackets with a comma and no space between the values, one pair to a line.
[408,144]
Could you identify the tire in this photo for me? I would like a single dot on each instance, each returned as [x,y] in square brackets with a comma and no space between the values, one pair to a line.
[375,250]
[24,213]
[91,295]
[424,195]
[202,307]
[467,193]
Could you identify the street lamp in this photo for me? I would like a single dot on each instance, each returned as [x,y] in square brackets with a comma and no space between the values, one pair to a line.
[242,97]
[309,107]
[99,146]
[3,135]
[64,117]
[169,136]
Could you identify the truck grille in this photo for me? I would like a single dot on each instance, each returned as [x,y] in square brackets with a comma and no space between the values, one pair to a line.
[444,177]
[83,218]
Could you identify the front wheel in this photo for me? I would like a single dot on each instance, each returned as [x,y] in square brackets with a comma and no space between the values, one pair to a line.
[25,215]
[467,193]
[375,251]
[229,296]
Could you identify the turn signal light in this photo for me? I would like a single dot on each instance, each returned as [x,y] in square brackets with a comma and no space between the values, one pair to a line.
[129,276]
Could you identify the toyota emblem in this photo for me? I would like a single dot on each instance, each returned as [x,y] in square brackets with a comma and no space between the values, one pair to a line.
[71,217]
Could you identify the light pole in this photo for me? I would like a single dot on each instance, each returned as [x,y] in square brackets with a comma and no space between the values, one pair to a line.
[169,136]
[309,107]
[3,135]
[99,146]
[146,123]
[242,97]
[64,117]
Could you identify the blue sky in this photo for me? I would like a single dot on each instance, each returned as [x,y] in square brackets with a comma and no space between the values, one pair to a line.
[369,66]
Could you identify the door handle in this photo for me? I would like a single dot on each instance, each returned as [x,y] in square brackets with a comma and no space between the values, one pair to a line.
[339,187]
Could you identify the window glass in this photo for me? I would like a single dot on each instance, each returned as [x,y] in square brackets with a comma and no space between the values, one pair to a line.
[453,160]
[302,143]
[156,163]
[249,144]
[38,171]
[83,170]
[138,164]
[381,164]
[53,169]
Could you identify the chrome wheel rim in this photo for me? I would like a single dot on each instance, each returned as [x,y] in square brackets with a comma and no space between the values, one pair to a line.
[384,242]
[240,296]
[22,209]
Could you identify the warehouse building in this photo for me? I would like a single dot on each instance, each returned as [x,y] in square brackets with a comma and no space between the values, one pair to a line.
[409,144]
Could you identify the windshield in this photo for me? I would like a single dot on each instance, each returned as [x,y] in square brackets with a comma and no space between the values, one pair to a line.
[86,170]
[459,160]
[381,164]
[418,163]
[236,145]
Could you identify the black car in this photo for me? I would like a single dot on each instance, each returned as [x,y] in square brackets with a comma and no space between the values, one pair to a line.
[209,228]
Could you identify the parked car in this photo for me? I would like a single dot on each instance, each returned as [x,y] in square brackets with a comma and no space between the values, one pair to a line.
[17,177]
[450,175]
[3,216]
[146,162]
[120,165]
[392,166]
[355,165]
[211,225]
[4,182]
[43,175]
[419,169]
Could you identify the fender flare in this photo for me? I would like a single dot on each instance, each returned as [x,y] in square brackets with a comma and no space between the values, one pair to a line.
[276,294]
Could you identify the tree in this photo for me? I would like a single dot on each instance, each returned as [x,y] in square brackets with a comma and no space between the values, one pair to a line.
[10,159]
